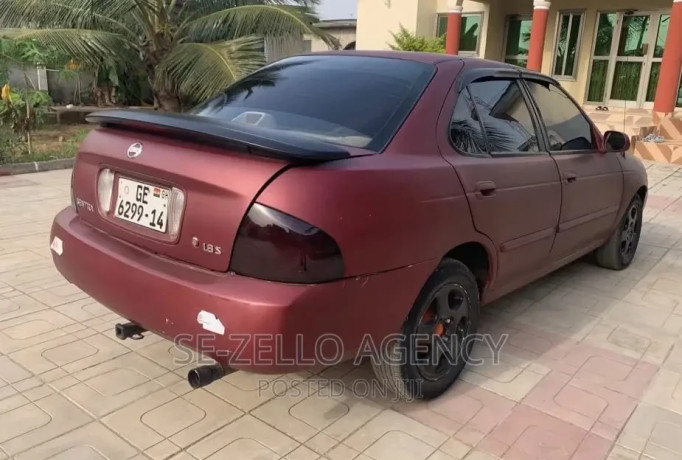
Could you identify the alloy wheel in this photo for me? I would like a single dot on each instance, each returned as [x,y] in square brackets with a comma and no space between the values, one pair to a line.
[629,233]
[441,332]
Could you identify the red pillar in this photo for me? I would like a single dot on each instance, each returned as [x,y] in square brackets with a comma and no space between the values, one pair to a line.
[454,30]
[669,79]
[537,34]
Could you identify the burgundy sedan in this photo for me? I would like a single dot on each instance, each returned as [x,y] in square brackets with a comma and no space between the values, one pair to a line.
[334,204]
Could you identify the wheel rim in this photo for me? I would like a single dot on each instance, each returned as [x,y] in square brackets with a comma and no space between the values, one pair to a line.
[441,331]
[629,234]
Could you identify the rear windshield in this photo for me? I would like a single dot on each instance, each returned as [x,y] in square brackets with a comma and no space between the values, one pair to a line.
[347,100]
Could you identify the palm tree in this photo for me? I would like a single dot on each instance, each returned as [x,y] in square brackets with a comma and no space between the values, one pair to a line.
[188,48]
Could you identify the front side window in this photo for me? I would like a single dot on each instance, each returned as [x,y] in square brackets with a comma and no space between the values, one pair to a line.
[470,33]
[567,44]
[567,127]
[506,118]
[517,41]
[347,100]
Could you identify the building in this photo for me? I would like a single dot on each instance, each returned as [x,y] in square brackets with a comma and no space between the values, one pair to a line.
[343,29]
[614,53]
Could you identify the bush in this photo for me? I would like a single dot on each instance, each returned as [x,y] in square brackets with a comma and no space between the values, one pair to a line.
[48,146]
[20,118]
[12,147]
[23,112]
[407,41]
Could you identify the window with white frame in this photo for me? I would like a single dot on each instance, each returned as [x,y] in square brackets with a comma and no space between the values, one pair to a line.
[569,31]
[517,40]
[470,35]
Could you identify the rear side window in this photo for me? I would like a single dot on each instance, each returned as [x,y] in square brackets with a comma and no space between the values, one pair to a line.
[505,116]
[567,127]
[466,132]
[348,100]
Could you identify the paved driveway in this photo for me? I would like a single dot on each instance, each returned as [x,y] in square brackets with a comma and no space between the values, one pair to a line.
[592,368]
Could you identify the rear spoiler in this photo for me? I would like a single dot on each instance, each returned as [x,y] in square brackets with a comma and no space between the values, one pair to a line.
[257,141]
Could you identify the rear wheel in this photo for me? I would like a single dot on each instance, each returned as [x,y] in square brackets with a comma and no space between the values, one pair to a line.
[435,341]
[619,251]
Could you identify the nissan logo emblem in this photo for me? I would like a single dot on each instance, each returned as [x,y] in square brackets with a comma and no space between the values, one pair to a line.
[135,150]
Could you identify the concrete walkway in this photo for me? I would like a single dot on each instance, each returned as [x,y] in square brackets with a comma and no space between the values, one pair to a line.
[592,368]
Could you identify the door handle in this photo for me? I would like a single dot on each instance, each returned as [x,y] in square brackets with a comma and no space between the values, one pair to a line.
[486,188]
[571,177]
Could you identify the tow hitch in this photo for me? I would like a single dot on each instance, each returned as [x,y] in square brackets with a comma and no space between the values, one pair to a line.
[129,331]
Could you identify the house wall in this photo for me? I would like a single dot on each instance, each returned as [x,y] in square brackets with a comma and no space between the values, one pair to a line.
[578,86]
[60,87]
[63,90]
[378,18]
[277,48]
[345,35]
[17,77]
[489,22]
[426,22]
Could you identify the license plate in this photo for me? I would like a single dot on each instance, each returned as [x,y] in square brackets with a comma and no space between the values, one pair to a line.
[142,204]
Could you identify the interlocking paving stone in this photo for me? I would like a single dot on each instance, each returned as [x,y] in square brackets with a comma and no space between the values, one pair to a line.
[591,368]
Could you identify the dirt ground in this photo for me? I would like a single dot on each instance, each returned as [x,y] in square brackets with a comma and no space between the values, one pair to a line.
[54,137]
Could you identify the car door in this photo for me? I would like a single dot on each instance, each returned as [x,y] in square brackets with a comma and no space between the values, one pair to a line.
[511,182]
[591,180]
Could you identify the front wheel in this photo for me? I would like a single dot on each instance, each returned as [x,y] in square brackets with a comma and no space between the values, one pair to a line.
[435,341]
[619,251]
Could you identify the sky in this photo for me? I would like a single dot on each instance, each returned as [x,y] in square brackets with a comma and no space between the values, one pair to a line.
[338,9]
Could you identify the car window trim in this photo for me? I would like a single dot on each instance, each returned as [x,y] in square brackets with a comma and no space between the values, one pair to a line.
[544,126]
[471,75]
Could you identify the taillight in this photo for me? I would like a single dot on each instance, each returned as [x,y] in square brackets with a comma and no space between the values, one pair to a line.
[275,246]
[105,188]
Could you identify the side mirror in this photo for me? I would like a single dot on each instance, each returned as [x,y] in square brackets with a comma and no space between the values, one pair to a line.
[615,141]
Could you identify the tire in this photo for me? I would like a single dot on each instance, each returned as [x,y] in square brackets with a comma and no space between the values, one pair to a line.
[619,251]
[444,314]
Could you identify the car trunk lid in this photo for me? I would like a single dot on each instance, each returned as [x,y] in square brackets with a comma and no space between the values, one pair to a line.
[155,157]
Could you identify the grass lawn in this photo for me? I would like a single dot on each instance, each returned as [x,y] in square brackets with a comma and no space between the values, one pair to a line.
[50,142]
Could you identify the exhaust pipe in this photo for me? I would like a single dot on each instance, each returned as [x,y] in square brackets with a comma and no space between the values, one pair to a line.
[129,331]
[203,375]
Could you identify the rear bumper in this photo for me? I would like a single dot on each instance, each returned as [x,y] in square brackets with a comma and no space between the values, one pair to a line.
[268,327]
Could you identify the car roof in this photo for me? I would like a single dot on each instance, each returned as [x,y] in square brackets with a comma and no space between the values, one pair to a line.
[430,58]
[471,63]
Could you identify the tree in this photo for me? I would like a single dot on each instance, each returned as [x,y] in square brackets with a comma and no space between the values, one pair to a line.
[407,41]
[188,48]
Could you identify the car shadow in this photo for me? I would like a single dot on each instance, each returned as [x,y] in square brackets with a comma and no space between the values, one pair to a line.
[557,322]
